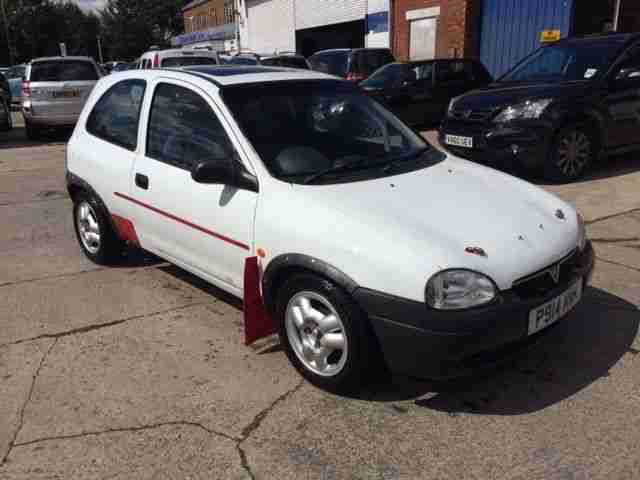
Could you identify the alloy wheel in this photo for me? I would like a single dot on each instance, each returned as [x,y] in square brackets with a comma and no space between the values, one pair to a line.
[574,153]
[316,333]
[88,227]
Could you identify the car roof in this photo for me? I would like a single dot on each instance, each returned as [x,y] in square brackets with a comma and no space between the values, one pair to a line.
[615,37]
[181,51]
[238,74]
[48,59]
[226,75]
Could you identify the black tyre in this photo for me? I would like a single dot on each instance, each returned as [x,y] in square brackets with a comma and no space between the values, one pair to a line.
[94,232]
[6,112]
[325,334]
[33,132]
[572,152]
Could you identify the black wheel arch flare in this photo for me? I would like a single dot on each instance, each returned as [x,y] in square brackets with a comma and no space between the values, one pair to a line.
[283,265]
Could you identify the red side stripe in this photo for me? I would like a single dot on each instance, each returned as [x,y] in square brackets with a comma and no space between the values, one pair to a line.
[184,222]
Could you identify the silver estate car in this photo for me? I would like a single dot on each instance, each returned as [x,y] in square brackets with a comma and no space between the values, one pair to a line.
[54,91]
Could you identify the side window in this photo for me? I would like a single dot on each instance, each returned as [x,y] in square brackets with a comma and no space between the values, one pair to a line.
[425,72]
[183,129]
[452,72]
[115,116]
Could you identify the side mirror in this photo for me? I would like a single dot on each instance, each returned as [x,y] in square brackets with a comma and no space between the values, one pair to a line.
[224,172]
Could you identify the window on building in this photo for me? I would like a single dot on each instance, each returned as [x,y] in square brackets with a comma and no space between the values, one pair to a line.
[184,130]
[115,117]
[228,11]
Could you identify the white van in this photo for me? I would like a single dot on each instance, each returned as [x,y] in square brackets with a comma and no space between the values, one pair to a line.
[177,57]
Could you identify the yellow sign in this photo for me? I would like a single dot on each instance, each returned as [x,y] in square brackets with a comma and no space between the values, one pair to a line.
[547,36]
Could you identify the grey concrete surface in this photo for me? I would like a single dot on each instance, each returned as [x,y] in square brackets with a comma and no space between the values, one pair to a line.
[139,371]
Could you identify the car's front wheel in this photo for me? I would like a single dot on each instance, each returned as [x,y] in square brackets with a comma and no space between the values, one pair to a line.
[96,236]
[572,152]
[325,334]
[33,132]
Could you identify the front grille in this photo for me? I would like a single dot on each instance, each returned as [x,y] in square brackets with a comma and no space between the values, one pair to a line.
[471,115]
[542,281]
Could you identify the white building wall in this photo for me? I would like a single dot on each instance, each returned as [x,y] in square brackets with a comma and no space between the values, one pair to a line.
[317,13]
[270,26]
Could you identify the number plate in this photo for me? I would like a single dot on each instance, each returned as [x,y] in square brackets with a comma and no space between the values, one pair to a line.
[553,310]
[458,141]
[67,94]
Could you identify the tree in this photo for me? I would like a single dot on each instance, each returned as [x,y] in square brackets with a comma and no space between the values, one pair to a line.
[131,26]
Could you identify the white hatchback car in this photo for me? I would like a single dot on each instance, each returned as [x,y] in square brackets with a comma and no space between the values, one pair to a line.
[292,188]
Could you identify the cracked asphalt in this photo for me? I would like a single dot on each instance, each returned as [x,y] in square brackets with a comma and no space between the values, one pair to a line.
[139,371]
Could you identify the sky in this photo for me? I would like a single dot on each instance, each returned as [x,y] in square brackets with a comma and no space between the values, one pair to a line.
[90,4]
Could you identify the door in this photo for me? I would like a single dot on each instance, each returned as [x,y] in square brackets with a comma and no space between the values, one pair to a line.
[453,78]
[422,38]
[623,103]
[206,228]
[411,96]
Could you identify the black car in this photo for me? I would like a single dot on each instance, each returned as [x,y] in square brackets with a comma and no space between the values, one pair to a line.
[354,64]
[419,92]
[557,111]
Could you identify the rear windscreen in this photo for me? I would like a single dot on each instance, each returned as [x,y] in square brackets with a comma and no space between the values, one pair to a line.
[63,71]
[188,61]
[333,63]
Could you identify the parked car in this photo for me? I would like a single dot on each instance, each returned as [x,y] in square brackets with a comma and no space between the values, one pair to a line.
[14,77]
[353,64]
[262,184]
[420,92]
[177,57]
[55,90]
[557,111]
[124,66]
[287,60]
[6,121]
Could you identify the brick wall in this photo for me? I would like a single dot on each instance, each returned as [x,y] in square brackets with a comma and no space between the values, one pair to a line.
[206,15]
[458,28]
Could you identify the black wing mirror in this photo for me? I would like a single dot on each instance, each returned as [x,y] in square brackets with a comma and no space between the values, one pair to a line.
[225,171]
[627,77]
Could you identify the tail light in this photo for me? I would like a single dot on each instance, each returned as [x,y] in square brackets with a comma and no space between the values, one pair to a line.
[156,61]
[355,77]
[26,89]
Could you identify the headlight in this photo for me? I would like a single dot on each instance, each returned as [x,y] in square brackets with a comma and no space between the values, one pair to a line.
[582,233]
[459,289]
[527,110]
[452,104]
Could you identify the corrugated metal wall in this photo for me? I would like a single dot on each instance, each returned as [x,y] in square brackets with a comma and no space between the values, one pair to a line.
[315,13]
[263,16]
[511,29]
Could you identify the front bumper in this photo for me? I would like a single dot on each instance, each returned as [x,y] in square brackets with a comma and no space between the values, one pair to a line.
[422,342]
[525,143]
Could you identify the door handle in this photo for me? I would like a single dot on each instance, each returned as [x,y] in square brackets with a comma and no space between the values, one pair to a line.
[142,181]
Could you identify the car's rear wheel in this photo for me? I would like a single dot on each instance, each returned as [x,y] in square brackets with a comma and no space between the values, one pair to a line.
[95,234]
[572,152]
[325,334]
[6,111]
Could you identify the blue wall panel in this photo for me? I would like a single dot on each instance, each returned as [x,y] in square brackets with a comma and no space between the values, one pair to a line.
[510,29]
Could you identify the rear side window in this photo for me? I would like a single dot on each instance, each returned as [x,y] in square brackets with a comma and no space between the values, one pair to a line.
[184,130]
[63,71]
[115,117]
[333,63]
[368,61]
[188,61]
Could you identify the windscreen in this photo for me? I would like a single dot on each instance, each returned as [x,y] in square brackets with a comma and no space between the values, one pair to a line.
[333,63]
[63,71]
[172,62]
[302,129]
[567,62]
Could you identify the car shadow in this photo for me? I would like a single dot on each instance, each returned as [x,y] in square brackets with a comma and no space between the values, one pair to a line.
[583,347]
[17,138]
[580,349]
